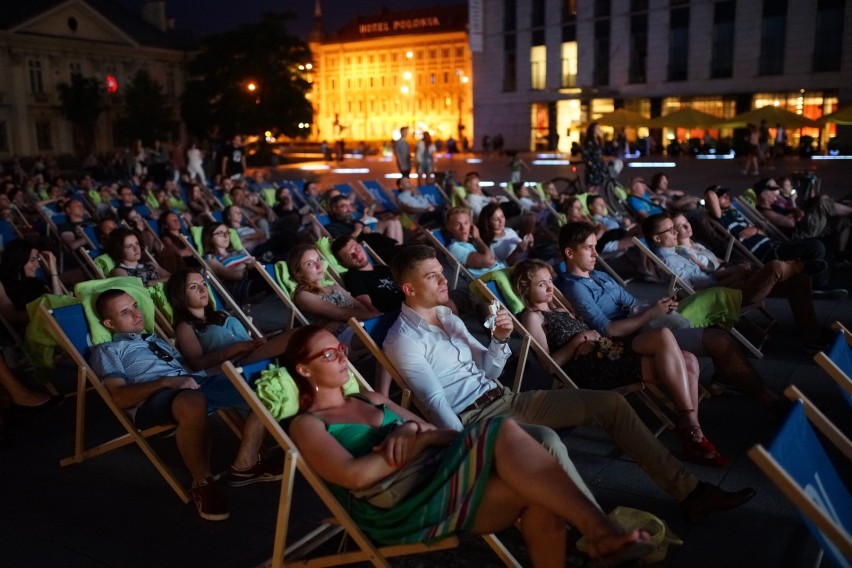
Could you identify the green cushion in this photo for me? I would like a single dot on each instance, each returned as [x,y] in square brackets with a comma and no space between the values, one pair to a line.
[88,292]
[582,197]
[288,284]
[712,306]
[40,340]
[105,263]
[324,246]
[268,195]
[620,192]
[750,196]
[279,394]
[458,196]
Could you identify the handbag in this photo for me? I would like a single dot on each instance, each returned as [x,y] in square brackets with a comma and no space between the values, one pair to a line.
[393,489]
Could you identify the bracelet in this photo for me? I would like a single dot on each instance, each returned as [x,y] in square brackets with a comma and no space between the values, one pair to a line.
[416,423]
[500,341]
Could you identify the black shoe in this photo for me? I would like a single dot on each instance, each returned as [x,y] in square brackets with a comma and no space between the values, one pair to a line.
[707,498]
[836,294]
[816,267]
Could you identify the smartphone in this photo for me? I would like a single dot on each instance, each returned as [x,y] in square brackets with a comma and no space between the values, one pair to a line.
[675,292]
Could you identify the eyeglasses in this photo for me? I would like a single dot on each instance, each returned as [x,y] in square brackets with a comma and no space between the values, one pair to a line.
[161,353]
[671,229]
[331,354]
[220,233]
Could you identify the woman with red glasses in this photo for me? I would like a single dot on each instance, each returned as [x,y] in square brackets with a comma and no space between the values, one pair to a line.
[405,481]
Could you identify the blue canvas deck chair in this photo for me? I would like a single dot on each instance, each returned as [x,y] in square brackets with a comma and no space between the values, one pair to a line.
[796,462]
[758,219]
[267,271]
[342,524]
[71,329]
[746,313]
[378,194]
[837,361]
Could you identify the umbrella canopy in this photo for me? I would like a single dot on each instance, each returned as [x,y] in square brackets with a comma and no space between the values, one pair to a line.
[686,117]
[622,118]
[842,116]
[773,115]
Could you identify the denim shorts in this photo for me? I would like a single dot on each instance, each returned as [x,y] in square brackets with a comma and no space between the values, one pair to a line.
[217,389]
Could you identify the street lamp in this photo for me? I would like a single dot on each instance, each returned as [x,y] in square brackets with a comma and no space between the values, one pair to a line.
[251,87]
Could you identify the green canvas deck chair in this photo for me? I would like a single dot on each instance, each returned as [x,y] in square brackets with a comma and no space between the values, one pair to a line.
[342,523]
[436,239]
[797,463]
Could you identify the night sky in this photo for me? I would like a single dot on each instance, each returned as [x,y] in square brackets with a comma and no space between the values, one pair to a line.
[212,16]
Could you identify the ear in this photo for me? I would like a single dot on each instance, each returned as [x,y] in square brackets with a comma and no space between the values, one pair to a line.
[568,252]
[303,370]
[407,289]
[108,324]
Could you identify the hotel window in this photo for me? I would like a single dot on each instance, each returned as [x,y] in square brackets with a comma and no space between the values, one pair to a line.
[569,21]
[537,23]
[371,81]
[459,52]
[603,8]
[383,81]
[445,53]
[432,78]
[569,64]
[433,54]
[773,37]
[333,84]
[828,46]
[372,59]
[722,60]
[510,68]
[638,48]
[36,78]
[446,77]
[4,136]
[600,75]
[43,139]
[348,61]
[538,67]
[678,44]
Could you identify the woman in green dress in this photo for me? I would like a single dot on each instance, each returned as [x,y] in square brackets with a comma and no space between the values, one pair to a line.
[405,481]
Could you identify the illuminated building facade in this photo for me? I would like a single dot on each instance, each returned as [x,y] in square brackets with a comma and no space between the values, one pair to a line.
[43,44]
[379,73]
[548,67]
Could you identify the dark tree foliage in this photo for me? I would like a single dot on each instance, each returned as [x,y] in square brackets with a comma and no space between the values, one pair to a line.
[82,102]
[147,114]
[217,100]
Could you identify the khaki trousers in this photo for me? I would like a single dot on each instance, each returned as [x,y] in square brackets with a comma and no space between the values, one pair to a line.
[540,412]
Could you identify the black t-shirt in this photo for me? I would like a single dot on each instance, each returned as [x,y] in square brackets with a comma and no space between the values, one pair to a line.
[235,160]
[378,284]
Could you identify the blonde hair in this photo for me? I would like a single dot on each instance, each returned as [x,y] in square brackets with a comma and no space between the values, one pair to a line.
[522,276]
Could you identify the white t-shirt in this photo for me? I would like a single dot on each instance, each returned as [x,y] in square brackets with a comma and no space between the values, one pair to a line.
[505,245]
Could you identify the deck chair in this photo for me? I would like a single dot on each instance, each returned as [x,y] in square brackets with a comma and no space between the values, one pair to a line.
[837,361]
[746,312]
[491,291]
[378,195]
[758,219]
[342,523]
[72,330]
[723,234]
[268,272]
[436,238]
[796,462]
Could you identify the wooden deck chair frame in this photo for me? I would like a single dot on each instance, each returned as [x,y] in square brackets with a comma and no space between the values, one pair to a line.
[759,220]
[843,380]
[458,269]
[675,280]
[734,242]
[323,232]
[792,490]
[342,521]
[529,342]
[131,436]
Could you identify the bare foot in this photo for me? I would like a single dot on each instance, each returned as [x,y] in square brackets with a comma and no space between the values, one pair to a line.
[617,548]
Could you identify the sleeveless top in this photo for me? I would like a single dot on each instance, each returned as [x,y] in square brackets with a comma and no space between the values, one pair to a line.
[335,297]
[144,270]
[214,337]
[560,327]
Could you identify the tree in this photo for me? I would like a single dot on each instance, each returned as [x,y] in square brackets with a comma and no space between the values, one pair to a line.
[218,99]
[147,114]
[82,103]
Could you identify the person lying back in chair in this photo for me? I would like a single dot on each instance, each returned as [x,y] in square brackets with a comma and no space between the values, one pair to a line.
[146,377]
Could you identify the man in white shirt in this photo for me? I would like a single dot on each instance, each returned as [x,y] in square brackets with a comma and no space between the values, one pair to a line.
[455,377]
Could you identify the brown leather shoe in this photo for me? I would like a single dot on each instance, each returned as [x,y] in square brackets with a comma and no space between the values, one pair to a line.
[707,498]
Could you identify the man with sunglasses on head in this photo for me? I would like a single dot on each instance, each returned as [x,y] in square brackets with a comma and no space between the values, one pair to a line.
[146,377]
[455,377]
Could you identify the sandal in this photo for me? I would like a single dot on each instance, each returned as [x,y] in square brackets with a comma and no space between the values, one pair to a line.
[701,450]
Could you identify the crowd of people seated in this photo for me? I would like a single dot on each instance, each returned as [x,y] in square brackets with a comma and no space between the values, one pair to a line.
[345,257]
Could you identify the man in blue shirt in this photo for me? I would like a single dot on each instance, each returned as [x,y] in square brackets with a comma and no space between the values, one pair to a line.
[455,377]
[146,378]
[607,307]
